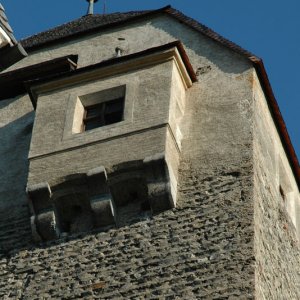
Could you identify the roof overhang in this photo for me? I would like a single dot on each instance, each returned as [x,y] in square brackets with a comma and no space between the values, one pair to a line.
[12,83]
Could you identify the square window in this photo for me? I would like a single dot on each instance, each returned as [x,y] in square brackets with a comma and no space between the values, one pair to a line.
[104,113]
[99,109]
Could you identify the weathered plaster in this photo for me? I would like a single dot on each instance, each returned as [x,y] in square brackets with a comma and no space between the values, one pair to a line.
[277,249]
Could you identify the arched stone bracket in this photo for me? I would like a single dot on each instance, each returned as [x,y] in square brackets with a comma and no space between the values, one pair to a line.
[54,212]
[100,197]
[43,220]
[103,211]
[97,181]
[81,202]
[44,226]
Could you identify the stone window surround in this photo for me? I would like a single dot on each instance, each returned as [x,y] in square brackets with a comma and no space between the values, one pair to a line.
[103,114]
[96,98]
[74,113]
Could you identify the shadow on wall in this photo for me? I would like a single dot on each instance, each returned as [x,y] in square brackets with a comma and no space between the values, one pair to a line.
[14,213]
[14,147]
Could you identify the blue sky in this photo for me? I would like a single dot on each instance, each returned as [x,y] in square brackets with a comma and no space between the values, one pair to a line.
[269,29]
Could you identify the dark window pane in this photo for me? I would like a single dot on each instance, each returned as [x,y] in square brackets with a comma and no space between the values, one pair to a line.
[94,111]
[113,117]
[104,113]
[92,124]
[114,106]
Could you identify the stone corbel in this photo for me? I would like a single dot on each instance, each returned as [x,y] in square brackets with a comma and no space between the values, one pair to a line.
[44,227]
[39,197]
[100,198]
[157,177]
[43,220]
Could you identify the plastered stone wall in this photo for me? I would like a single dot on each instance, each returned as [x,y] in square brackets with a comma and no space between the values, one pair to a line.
[277,248]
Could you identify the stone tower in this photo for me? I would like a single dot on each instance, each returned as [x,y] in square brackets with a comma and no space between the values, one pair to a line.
[144,156]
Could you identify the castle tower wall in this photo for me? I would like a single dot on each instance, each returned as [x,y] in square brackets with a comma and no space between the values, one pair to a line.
[209,246]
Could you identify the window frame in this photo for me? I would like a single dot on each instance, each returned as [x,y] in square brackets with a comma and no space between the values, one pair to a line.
[102,114]
[94,93]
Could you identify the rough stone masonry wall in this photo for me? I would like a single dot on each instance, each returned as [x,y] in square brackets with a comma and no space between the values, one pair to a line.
[203,249]
[277,247]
